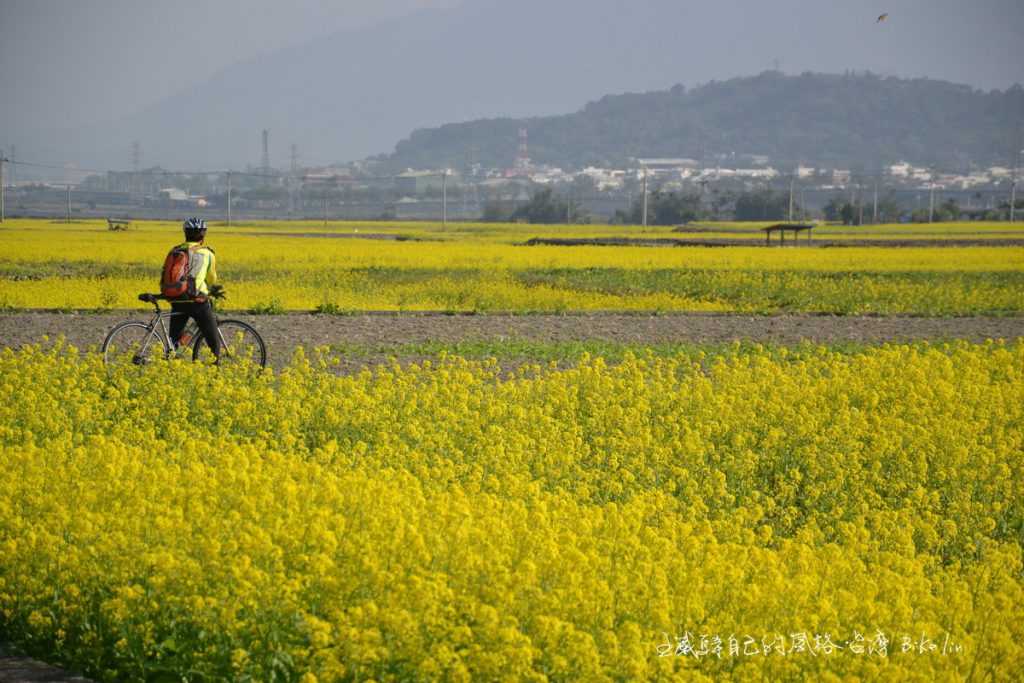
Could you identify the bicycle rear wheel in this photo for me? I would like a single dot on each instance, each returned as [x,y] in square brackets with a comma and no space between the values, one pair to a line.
[240,344]
[132,343]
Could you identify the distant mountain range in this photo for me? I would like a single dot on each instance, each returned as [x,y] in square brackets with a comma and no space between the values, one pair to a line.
[858,120]
[356,93]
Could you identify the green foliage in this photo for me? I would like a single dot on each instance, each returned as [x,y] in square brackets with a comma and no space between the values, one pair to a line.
[329,308]
[664,208]
[272,307]
[949,210]
[267,193]
[497,211]
[839,209]
[547,207]
[763,205]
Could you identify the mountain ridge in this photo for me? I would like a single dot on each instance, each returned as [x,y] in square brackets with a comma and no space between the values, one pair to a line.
[354,93]
[822,119]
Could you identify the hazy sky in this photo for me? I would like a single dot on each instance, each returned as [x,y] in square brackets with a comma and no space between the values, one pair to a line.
[70,62]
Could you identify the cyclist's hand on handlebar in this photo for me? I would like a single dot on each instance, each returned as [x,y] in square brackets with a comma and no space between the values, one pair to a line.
[217,292]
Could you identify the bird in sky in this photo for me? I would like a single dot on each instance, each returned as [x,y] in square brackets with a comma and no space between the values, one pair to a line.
[882,17]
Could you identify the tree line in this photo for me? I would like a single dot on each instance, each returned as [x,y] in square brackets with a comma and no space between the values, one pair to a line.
[546,206]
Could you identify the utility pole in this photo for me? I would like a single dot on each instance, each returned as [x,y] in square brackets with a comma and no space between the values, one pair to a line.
[293,179]
[67,218]
[1013,188]
[13,159]
[2,160]
[229,199]
[444,199]
[645,198]
[1013,184]
[931,201]
[874,216]
[1013,198]
[265,160]
[568,207]
[792,187]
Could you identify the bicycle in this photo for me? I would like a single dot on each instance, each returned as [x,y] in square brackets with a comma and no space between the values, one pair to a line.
[135,342]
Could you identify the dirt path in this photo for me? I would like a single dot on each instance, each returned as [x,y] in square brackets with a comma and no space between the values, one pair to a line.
[378,329]
[18,669]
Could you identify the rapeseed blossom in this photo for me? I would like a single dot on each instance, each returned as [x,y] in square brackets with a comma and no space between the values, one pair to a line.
[735,517]
[486,268]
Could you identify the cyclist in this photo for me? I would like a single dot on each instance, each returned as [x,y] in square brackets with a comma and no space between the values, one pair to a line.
[203,268]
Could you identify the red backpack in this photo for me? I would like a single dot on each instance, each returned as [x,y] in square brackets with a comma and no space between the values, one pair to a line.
[177,282]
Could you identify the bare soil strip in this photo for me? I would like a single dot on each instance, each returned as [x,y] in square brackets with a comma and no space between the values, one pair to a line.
[385,328]
[756,242]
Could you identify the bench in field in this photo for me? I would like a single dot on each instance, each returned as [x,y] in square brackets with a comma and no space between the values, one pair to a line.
[118,223]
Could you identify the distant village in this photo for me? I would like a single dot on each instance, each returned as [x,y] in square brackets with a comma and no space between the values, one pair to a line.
[360,190]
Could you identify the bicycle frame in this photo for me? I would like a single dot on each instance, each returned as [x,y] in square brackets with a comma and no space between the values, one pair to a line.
[159,329]
[164,334]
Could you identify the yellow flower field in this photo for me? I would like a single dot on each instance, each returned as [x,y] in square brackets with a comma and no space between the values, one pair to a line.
[804,515]
[485,268]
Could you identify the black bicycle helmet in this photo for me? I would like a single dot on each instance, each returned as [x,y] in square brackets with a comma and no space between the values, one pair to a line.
[195,229]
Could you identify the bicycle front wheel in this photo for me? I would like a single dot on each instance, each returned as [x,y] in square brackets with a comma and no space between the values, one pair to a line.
[240,343]
[132,343]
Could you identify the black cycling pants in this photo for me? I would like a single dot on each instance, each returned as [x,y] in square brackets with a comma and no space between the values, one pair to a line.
[205,318]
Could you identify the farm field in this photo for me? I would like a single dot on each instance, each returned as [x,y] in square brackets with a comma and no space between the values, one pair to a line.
[487,461]
[277,267]
[729,515]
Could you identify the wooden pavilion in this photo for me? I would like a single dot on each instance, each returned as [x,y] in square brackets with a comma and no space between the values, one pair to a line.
[781,228]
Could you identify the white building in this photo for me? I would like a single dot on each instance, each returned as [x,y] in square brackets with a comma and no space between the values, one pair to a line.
[605,178]
[900,170]
[174,194]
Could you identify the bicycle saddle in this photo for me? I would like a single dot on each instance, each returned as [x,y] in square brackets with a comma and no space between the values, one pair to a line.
[149,298]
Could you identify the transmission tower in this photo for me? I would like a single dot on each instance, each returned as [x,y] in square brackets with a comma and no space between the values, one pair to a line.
[295,159]
[523,156]
[472,160]
[266,152]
